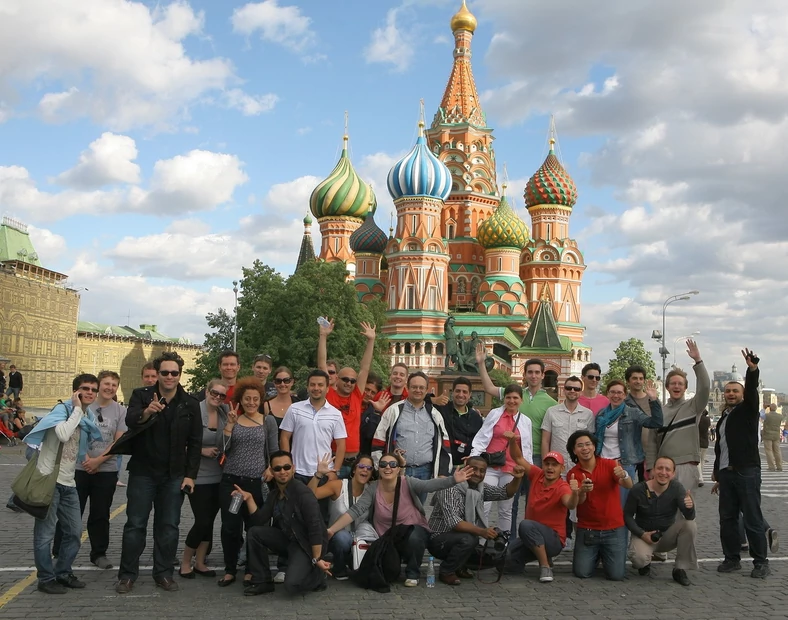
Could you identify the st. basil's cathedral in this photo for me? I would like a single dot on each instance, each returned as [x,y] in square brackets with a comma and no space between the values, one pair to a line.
[458,249]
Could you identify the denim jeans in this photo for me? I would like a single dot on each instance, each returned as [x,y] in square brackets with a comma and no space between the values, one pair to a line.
[422,472]
[609,545]
[340,545]
[413,552]
[65,511]
[525,487]
[163,495]
[740,491]
[632,471]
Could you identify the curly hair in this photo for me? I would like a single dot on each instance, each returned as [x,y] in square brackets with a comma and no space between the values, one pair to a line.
[168,356]
[244,385]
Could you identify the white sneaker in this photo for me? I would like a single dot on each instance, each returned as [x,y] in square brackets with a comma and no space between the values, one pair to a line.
[411,583]
[280,577]
[570,544]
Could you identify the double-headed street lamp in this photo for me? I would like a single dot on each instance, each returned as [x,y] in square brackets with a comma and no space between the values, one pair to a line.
[660,336]
[235,319]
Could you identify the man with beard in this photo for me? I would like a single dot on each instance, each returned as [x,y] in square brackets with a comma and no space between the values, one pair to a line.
[462,421]
[457,521]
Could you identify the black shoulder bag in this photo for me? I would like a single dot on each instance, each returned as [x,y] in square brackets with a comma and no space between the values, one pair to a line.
[498,459]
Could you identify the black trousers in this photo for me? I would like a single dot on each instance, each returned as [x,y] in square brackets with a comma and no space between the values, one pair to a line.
[99,488]
[204,502]
[301,576]
[740,491]
[454,549]
[234,524]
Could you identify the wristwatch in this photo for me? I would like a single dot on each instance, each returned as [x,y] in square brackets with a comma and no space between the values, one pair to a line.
[319,476]
[315,561]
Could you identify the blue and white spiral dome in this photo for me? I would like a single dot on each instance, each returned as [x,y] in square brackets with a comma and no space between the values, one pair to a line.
[420,173]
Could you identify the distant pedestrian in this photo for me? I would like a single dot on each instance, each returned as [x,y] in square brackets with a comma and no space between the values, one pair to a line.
[704,424]
[15,382]
[772,424]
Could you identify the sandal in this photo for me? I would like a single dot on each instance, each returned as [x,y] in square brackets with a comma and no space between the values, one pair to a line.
[223,583]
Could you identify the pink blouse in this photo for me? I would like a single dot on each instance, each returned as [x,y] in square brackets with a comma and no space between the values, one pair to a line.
[407,512]
[499,442]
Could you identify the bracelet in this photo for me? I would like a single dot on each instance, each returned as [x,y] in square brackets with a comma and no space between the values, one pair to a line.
[318,476]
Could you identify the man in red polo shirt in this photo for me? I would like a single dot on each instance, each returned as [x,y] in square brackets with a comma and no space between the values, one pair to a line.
[346,395]
[541,535]
[601,533]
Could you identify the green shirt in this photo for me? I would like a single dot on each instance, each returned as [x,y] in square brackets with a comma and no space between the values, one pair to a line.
[535,408]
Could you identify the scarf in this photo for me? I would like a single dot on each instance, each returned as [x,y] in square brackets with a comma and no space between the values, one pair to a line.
[90,432]
[474,503]
[605,418]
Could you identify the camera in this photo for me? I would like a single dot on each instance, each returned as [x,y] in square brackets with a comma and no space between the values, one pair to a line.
[501,540]
[656,536]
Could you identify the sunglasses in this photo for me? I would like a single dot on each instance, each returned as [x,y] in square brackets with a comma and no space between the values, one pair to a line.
[572,388]
[219,395]
[349,380]
[593,377]
[365,467]
[169,373]
[388,464]
[85,388]
[263,357]
[284,381]
[98,415]
[332,372]
[278,468]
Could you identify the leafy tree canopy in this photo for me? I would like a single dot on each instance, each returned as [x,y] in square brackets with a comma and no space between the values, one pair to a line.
[502,379]
[629,353]
[278,316]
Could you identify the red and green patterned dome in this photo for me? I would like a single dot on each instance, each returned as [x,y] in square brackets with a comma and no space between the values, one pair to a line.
[551,184]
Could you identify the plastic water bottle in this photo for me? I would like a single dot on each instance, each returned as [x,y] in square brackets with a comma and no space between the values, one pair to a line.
[323,321]
[431,573]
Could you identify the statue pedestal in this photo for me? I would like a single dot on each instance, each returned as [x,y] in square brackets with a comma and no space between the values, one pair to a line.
[479,398]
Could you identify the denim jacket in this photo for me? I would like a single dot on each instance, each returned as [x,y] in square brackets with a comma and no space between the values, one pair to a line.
[630,426]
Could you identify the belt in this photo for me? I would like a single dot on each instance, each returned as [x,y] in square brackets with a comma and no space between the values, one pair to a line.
[247,478]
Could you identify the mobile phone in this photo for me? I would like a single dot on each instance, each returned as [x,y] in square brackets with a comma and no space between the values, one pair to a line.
[187,490]
[163,402]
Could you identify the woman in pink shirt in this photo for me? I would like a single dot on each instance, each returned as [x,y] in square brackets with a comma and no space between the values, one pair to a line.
[492,441]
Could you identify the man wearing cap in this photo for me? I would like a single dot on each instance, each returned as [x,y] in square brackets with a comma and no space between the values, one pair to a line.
[542,533]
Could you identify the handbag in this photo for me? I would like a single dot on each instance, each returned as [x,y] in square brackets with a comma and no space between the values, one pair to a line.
[359,547]
[33,491]
[498,459]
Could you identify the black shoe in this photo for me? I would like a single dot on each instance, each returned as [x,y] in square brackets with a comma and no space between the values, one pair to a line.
[52,587]
[760,572]
[728,566]
[341,574]
[189,575]
[223,583]
[680,576]
[255,589]
[645,571]
[71,581]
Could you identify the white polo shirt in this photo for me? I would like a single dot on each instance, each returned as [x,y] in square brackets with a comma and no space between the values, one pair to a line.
[313,431]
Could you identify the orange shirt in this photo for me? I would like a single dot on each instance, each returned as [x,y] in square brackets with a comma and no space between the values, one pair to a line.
[350,407]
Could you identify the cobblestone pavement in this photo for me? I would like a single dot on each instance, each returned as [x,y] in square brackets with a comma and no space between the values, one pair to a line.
[712,596]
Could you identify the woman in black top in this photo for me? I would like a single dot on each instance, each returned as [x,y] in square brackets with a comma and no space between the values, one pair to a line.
[278,406]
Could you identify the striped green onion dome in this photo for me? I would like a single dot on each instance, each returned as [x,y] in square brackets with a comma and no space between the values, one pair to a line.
[368,237]
[342,193]
[503,229]
[551,184]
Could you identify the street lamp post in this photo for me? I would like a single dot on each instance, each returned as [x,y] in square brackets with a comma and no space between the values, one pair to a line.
[676,341]
[663,350]
[235,320]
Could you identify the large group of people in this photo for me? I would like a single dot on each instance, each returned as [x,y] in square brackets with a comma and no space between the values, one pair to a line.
[605,476]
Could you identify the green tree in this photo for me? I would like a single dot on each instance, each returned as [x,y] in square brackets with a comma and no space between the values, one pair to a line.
[629,353]
[217,341]
[279,317]
[501,379]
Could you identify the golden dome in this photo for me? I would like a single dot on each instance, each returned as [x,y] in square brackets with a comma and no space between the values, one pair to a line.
[463,20]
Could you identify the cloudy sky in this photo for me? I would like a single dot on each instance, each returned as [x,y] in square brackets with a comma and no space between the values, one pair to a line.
[154,148]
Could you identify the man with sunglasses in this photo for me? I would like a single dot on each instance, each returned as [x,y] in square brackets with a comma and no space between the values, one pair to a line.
[346,394]
[290,524]
[591,398]
[165,441]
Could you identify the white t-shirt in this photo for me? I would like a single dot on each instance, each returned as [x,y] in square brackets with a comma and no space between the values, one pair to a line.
[313,432]
[611,449]
[114,420]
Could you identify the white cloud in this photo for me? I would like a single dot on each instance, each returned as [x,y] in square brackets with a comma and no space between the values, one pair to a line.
[117,62]
[108,160]
[291,197]
[250,105]
[390,45]
[49,246]
[285,25]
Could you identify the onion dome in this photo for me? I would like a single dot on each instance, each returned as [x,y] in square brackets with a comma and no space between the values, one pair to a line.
[342,193]
[463,20]
[551,184]
[420,173]
[307,219]
[503,229]
[368,237]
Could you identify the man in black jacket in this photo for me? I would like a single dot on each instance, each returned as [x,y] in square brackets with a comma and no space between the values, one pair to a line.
[290,524]
[737,472]
[164,440]
[462,421]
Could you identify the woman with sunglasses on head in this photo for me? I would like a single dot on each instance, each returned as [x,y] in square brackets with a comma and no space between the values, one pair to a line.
[247,440]
[376,506]
[204,500]
[277,407]
[343,494]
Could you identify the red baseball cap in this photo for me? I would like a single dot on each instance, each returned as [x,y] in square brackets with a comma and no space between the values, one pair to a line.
[555,456]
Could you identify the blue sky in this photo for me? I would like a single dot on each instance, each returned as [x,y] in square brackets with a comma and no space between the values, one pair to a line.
[156,148]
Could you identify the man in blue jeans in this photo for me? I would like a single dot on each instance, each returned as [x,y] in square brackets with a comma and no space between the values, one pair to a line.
[164,440]
[63,435]
[601,533]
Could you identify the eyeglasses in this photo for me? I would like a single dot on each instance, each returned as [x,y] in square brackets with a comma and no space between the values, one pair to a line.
[285,380]
[388,464]
[85,388]
[349,380]
[332,372]
[593,377]
[169,373]
[219,395]
[278,468]
[364,467]
[572,388]
[98,414]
